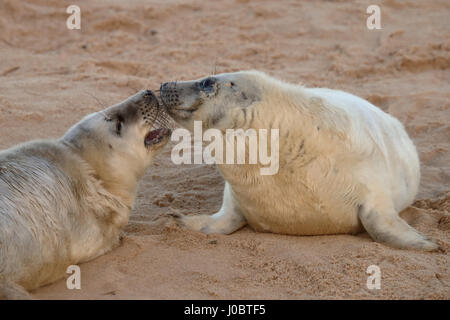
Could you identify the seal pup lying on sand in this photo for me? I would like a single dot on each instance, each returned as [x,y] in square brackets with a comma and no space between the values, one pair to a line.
[64,201]
[342,161]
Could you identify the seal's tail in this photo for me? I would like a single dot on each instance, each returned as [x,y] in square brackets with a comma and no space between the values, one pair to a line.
[389,228]
[12,291]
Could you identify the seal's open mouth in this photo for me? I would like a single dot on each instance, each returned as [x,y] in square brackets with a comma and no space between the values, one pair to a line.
[156,136]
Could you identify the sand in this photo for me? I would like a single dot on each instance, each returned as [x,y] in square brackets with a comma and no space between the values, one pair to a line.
[50,77]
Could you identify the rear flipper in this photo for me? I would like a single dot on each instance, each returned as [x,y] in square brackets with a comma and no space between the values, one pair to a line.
[12,291]
[385,226]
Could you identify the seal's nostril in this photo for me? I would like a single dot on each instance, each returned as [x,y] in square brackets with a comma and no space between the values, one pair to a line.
[165,86]
[149,98]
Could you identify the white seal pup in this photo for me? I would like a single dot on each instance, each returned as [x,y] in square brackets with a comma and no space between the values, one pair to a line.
[64,201]
[344,164]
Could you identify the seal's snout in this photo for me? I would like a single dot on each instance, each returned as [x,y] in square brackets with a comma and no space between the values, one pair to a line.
[142,98]
[169,94]
[155,116]
[151,111]
[150,98]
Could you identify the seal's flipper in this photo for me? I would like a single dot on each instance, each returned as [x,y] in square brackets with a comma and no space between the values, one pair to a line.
[226,221]
[12,291]
[389,228]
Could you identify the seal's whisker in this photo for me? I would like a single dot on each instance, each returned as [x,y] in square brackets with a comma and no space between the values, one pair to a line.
[100,103]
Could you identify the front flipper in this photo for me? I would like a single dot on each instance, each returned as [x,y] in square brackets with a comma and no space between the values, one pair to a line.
[226,221]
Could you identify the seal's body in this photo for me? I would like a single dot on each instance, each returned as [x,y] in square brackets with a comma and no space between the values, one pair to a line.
[64,201]
[344,164]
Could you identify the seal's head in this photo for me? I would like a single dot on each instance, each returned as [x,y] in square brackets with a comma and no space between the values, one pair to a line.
[218,101]
[120,142]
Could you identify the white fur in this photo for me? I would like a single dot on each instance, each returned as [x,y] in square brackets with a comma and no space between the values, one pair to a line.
[64,201]
[344,163]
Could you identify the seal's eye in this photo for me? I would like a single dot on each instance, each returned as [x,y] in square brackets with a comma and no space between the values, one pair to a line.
[232,83]
[119,123]
[207,83]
